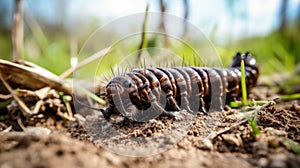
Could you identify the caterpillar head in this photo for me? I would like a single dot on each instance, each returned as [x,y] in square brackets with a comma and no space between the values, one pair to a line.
[123,94]
[120,86]
[248,60]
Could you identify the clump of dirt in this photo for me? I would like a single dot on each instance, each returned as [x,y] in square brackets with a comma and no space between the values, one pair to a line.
[285,118]
[55,150]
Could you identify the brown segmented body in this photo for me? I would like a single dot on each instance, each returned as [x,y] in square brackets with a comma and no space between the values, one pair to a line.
[159,90]
[204,78]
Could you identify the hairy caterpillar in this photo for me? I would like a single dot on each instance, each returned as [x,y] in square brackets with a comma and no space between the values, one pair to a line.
[143,94]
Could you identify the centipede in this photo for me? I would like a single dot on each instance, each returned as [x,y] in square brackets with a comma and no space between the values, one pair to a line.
[145,93]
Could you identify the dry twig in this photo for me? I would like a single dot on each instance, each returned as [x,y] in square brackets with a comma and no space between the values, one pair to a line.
[143,38]
[86,61]
[25,110]
[186,15]
[17,30]
[3,96]
[162,21]
[64,115]
[8,129]
[19,120]
[18,74]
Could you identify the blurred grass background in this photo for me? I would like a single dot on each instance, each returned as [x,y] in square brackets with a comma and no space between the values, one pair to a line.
[51,44]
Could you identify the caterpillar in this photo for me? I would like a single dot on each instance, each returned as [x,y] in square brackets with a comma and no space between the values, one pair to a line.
[145,93]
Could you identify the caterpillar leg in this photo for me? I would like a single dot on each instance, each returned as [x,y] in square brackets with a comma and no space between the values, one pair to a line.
[154,111]
[216,104]
[156,107]
[185,103]
[202,106]
[172,104]
[108,112]
[188,109]
[130,111]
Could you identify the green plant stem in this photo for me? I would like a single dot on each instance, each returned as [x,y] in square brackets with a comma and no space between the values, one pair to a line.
[90,94]
[290,97]
[292,145]
[253,123]
[237,104]
[243,83]
[4,103]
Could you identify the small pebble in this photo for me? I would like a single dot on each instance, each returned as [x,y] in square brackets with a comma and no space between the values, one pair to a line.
[296,107]
[37,131]
[262,162]
[233,139]
[277,161]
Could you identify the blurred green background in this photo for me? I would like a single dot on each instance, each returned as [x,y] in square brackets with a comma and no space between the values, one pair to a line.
[55,31]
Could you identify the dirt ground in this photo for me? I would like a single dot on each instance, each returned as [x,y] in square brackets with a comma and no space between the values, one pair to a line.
[214,140]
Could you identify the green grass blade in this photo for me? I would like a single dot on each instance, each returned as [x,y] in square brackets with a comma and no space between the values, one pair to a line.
[90,94]
[290,97]
[236,104]
[292,145]
[253,124]
[243,83]
[4,103]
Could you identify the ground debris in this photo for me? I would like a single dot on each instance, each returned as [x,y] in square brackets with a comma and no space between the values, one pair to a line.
[19,73]
[46,108]
[213,140]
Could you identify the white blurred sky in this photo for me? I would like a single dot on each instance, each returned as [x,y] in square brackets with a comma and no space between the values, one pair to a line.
[259,17]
